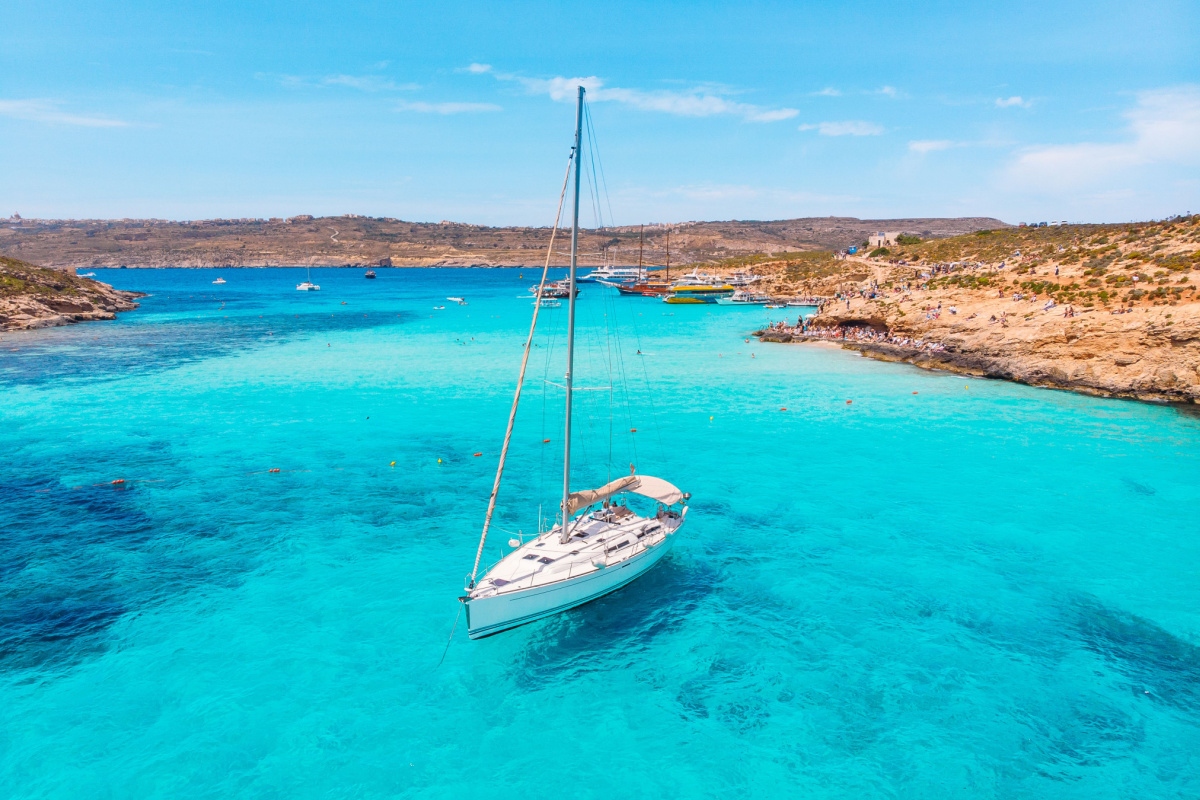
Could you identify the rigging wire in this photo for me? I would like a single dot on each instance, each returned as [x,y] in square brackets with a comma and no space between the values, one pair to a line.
[487,521]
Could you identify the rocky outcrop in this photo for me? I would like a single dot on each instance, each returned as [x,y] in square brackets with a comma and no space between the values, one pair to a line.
[36,297]
[1150,353]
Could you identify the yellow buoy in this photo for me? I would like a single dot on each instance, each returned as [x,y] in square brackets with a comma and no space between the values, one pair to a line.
[392,464]
[439,461]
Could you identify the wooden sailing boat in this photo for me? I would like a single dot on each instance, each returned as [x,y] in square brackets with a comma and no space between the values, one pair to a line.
[599,543]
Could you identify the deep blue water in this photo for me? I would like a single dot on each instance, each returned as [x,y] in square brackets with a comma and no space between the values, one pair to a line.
[948,587]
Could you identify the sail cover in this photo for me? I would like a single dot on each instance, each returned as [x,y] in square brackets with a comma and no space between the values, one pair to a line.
[645,485]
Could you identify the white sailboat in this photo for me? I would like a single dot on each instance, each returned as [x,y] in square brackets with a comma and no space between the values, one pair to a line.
[308,285]
[599,543]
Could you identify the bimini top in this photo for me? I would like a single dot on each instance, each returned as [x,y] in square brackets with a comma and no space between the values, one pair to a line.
[645,485]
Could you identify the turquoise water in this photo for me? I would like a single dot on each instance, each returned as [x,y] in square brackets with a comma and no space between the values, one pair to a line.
[948,587]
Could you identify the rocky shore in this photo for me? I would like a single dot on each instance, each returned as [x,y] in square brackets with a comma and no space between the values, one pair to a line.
[37,297]
[1111,312]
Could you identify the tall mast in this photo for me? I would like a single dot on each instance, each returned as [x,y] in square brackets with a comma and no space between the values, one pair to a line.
[641,229]
[668,254]
[571,316]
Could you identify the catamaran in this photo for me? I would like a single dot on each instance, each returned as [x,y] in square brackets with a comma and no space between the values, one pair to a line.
[598,543]
[308,285]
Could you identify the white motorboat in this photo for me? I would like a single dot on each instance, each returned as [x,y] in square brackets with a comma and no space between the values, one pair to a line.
[744,298]
[613,275]
[598,543]
[742,279]
[308,285]
[220,280]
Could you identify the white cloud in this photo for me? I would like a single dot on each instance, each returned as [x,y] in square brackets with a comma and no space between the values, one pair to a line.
[890,91]
[1002,102]
[47,111]
[446,108]
[479,69]
[845,128]
[1163,129]
[930,145]
[697,102]
[828,92]
[365,83]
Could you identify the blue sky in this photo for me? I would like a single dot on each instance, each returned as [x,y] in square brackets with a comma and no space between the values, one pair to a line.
[429,111]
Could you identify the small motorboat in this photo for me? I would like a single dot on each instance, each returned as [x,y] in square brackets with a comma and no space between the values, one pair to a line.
[459,300]
[743,298]
[370,274]
[220,280]
[555,290]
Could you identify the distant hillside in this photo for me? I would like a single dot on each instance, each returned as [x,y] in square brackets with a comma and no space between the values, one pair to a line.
[362,241]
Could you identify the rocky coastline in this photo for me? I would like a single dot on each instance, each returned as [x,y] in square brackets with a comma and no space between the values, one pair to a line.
[36,297]
[1109,311]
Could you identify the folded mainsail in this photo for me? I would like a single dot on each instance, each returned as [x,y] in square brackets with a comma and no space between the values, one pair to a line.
[645,485]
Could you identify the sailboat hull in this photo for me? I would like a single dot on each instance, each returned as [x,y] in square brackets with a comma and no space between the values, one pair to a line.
[491,615]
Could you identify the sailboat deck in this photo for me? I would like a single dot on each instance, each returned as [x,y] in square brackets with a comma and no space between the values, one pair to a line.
[598,541]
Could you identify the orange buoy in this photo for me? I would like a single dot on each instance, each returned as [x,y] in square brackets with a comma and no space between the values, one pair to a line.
[479,454]
[545,440]
[633,430]
[119,480]
[273,470]
[848,402]
[914,392]
[783,409]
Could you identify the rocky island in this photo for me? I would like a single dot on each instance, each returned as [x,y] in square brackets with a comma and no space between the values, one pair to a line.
[37,297]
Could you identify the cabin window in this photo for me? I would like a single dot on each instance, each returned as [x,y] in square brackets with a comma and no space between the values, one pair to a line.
[545,560]
[530,557]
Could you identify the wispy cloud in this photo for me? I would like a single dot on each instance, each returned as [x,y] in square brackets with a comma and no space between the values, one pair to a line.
[47,111]
[923,146]
[446,108]
[888,91]
[1016,100]
[364,83]
[479,69]
[1163,128]
[703,101]
[845,128]
[827,92]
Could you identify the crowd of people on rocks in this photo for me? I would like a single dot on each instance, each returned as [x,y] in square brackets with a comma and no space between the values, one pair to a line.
[853,333]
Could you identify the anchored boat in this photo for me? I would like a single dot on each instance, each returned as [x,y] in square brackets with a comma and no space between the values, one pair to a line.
[684,293]
[307,285]
[598,543]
